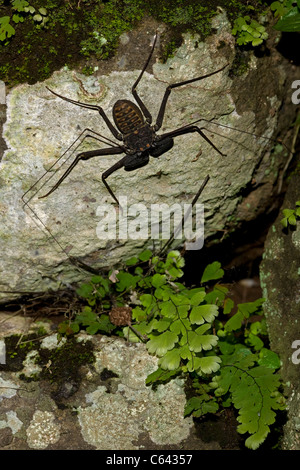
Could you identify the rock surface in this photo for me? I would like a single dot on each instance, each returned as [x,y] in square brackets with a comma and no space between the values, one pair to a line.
[40,128]
[89,393]
[280,280]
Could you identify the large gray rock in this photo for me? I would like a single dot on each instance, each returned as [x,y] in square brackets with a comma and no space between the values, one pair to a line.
[280,280]
[86,393]
[40,127]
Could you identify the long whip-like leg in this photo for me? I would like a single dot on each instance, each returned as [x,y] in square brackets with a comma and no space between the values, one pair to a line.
[133,90]
[108,172]
[195,199]
[36,187]
[162,109]
[94,107]
[187,130]
[84,156]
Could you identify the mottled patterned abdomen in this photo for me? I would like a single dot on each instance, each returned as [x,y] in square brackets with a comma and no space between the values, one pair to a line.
[127,116]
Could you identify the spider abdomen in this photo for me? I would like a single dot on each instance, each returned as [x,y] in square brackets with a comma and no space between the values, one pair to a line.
[127,116]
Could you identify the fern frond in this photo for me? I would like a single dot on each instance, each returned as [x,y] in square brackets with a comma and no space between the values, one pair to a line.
[254,392]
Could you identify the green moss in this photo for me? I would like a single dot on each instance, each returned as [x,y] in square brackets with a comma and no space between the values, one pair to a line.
[60,367]
[17,348]
[240,63]
[76,31]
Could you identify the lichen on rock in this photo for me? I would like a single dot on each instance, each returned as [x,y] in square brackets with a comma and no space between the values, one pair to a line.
[43,430]
[280,280]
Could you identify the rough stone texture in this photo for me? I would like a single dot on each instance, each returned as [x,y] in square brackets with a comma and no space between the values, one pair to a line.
[105,405]
[40,127]
[280,280]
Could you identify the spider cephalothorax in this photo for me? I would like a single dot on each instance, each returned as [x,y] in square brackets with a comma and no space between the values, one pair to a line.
[133,126]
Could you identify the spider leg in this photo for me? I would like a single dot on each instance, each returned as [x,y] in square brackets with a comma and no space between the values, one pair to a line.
[48,175]
[133,90]
[162,109]
[189,129]
[84,156]
[129,163]
[94,107]
[108,172]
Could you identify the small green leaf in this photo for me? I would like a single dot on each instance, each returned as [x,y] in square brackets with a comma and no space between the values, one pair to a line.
[197,298]
[192,404]
[288,212]
[6,29]
[180,326]
[162,343]
[180,299]
[212,271]
[87,316]
[269,359]
[161,325]
[132,261]
[185,352]
[203,313]
[96,279]
[199,406]
[145,255]
[292,220]
[209,364]
[158,280]
[244,311]
[126,281]
[254,341]
[29,9]
[217,295]
[256,42]
[163,293]
[160,375]
[256,439]
[228,306]
[93,328]
[168,309]
[170,360]
[278,8]
[19,5]
[17,18]
[175,256]
[85,290]
[37,17]
[138,314]
[198,342]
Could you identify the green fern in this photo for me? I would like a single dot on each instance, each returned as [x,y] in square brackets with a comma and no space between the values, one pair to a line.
[173,333]
[253,390]
[248,30]
[21,9]
[246,380]
[291,216]
[193,332]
